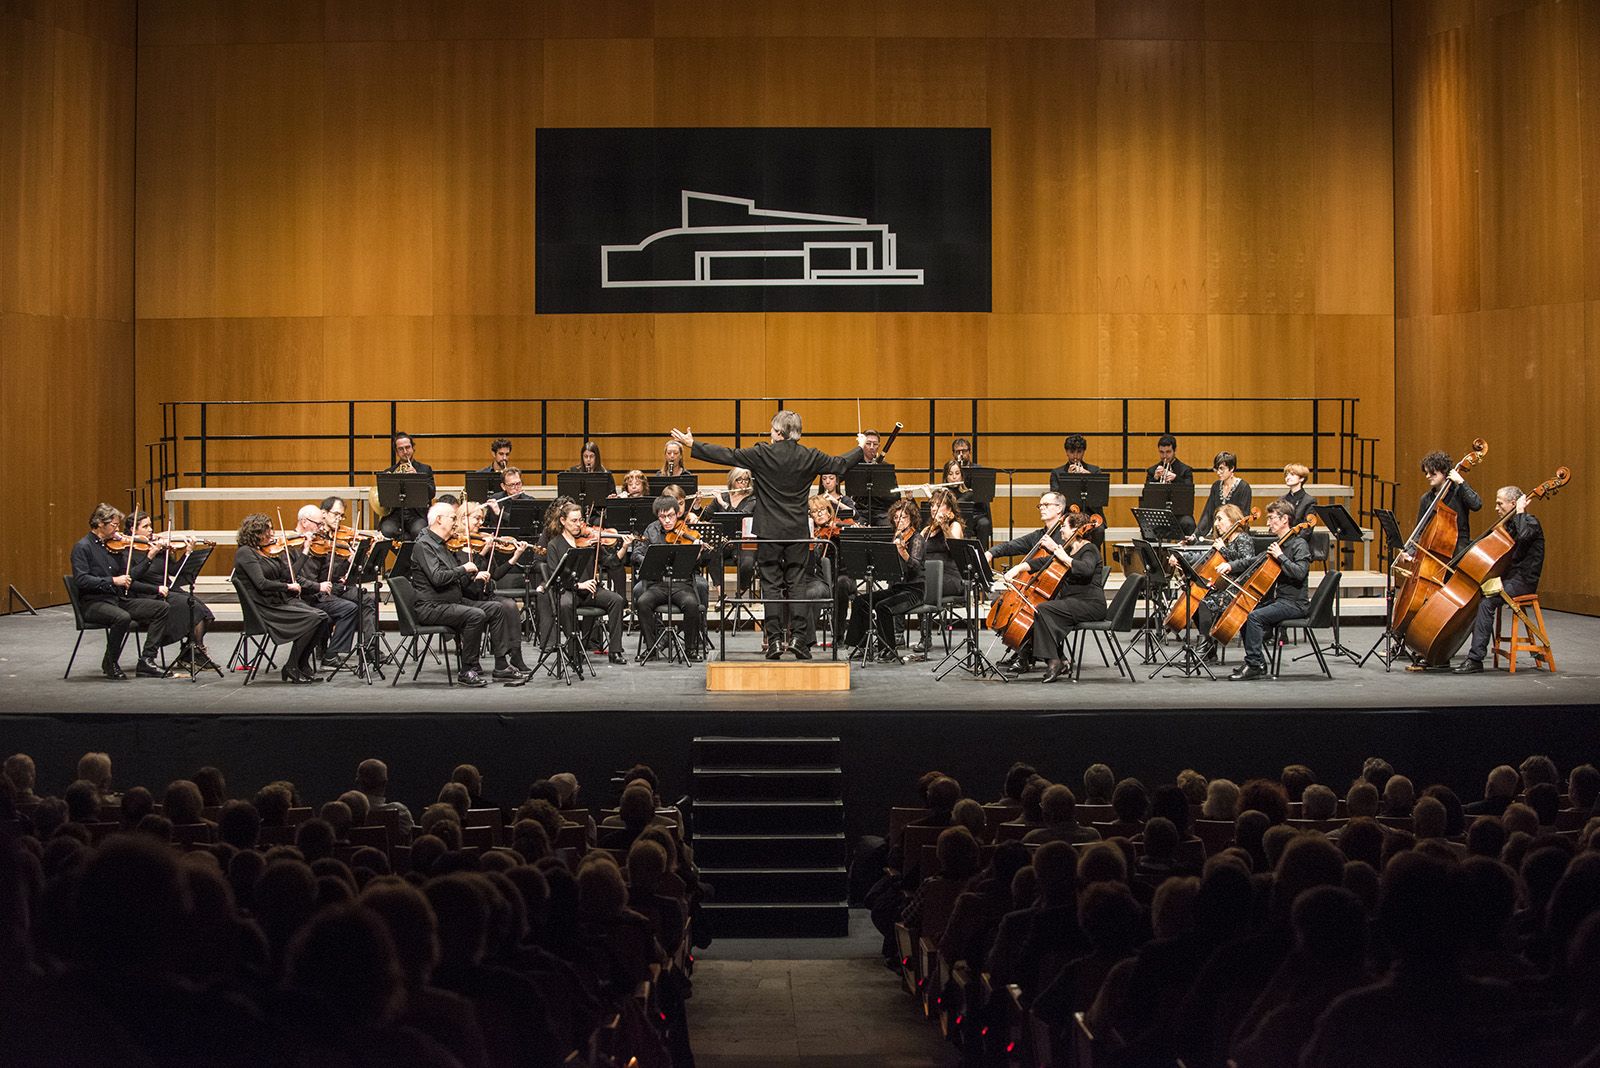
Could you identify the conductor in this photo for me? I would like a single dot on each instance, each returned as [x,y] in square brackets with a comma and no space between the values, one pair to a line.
[784,470]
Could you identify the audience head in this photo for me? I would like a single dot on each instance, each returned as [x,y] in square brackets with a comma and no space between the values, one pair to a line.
[426,851]
[545,815]
[1534,770]
[1222,800]
[530,840]
[1057,805]
[943,793]
[1266,797]
[22,774]
[1318,803]
[1330,927]
[959,855]
[1160,839]
[1169,803]
[239,825]
[213,787]
[1583,787]
[636,808]
[1519,817]
[1361,879]
[96,768]
[1024,888]
[969,814]
[545,790]
[1017,778]
[49,814]
[1249,830]
[83,802]
[442,821]
[414,929]
[647,865]
[1110,917]
[461,910]
[1172,911]
[1428,818]
[1295,778]
[1455,819]
[566,785]
[360,808]
[347,956]
[1101,862]
[1308,860]
[1486,837]
[1193,784]
[1097,784]
[1489,898]
[137,803]
[315,838]
[1362,799]
[1055,865]
[372,777]
[469,776]
[1376,770]
[601,891]
[1502,782]
[339,817]
[131,906]
[1130,801]
[1275,841]
[285,896]
[1398,796]
[158,827]
[1032,794]
[1545,800]
[1419,909]
[458,798]
[272,804]
[182,802]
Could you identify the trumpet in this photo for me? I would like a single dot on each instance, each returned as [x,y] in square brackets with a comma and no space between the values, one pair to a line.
[1164,471]
[405,468]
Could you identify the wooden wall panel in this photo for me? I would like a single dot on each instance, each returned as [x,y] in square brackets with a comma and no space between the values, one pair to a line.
[1140,20]
[1589,124]
[599,82]
[811,81]
[1354,190]
[931,81]
[176,194]
[1151,167]
[764,18]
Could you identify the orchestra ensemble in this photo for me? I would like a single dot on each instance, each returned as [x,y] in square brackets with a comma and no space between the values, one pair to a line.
[780,521]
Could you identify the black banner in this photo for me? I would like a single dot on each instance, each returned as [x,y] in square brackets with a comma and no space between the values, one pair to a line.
[684,220]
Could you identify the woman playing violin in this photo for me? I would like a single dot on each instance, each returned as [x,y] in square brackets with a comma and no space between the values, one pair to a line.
[982,521]
[271,576]
[571,532]
[739,496]
[822,563]
[830,486]
[158,564]
[944,526]
[904,517]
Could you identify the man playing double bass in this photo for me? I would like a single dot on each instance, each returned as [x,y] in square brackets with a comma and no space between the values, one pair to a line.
[1521,577]
[1286,600]
[783,470]
[1459,497]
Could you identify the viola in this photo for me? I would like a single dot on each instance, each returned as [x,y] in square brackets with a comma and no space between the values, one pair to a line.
[1253,589]
[1186,606]
[1432,546]
[608,536]
[1443,620]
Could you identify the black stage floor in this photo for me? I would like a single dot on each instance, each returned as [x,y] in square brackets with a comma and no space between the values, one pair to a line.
[895,722]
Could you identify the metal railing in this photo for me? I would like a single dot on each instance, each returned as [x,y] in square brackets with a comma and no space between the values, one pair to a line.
[201,440]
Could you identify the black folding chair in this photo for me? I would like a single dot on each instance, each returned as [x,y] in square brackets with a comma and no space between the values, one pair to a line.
[1319,616]
[1119,620]
[135,628]
[412,633]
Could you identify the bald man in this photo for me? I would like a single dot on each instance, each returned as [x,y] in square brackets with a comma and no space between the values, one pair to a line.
[441,581]
[320,587]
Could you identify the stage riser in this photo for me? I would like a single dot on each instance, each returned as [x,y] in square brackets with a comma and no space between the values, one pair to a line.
[776,885]
[731,752]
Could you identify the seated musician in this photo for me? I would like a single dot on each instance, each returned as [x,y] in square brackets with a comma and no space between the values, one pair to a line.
[110,594]
[1079,598]
[277,589]
[1286,600]
[822,564]
[320,586]
[830,486]
[944,526]
[441,580]
[982,521]
[569,528]
[1229,488]
[406,523]
[187,615]
[589,463]
[500,453]
[1294,477]
[503,617]
[685,513]
[1075,445]
[672,461]
[961,452]
[511,489]
[871,510]
[1458,496]
[346,585]
[633,484]
[902,595]
[1168,470]
[1233,541]
[1521,577]
[685,596]
[739,496]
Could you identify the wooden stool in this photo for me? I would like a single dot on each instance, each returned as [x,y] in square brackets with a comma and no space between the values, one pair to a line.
[1534,638]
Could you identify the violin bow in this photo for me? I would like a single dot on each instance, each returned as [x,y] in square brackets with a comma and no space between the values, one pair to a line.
[166,557]
[489,565]
[287,555]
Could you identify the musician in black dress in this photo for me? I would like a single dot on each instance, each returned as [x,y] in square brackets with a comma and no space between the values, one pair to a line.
[111,595]
[821,577]
[1078,599]
[1446,483]
[830,486]
[589,463]
[740,496]
[982,520]
[1232,539]
[407,523]
[672,461]
[345,579]
[1052,512]
[1286,600]
[568,519]
[441,581]
[783,470]
[1521,577]
[1229,488]
[943,527]
[1075,445]
[187,616]
[502,617]
[906,593]
[684,595]
[1300,501]
[278,602]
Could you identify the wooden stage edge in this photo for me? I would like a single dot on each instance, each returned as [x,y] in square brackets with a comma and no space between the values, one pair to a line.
[773,676]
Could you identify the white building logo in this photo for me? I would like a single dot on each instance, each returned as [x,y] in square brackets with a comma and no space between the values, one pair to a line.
[728,241]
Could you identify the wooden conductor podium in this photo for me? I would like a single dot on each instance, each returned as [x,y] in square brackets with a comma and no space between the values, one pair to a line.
[751,676]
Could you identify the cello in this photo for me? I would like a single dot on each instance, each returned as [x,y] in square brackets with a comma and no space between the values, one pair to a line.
[1012,614]
[1443,621]
[1189,603]
[1432,546]
[1253,589]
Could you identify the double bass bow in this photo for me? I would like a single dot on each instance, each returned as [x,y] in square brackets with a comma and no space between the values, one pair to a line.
[1429,549]
[1251,590]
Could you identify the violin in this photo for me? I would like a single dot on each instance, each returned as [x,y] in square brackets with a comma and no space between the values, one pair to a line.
[121,543]
[681,535]
[608,536]
[482,543]
[831,531]
[277,546]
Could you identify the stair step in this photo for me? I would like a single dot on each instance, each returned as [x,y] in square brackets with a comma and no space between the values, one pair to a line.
[767,784]
[743,886]
[767,817]
[779,919]
[761,850]
[776,752]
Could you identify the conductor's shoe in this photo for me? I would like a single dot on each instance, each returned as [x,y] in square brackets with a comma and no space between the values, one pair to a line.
[801,652]
[1469,667]
[1248,671]
[774,650]
[148,670]
[1053,670]
[471,677]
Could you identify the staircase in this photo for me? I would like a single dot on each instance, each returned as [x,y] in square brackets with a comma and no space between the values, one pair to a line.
[768,817]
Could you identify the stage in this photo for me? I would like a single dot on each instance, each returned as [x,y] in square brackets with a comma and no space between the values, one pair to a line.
[895,721]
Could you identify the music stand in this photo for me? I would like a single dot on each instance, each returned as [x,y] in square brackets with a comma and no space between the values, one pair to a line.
[1192,662]
[1336,519]
[571,660]
[1394,543]
[870,485]
[977,576]
[1176,498]
[981,481]
[656,485]
[630,515]
[1158,597]
[1157,525]
[589,488]
[871,560]
[673,565]
[404,493]
[189,569]
[481,485]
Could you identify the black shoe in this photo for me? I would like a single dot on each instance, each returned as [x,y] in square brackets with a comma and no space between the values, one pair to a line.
[505,674]
[201,660]
[1053,670]
[1247,672]
[1469,667]
[148,670]
[617,658]
[471,677]
[294,675]
[801,652]
[774,651]
[1210,655]
[112,671]
[888,656]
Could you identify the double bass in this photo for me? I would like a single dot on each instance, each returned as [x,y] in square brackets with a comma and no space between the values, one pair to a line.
[1188,604]
[1013,612]
[1432,546]
[1253,589]
[1442,622]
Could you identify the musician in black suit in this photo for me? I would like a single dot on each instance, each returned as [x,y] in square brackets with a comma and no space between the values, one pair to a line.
[111,595]
[1229,488]
[1521,577]
[1294,477]
[408,523]
[500,449]
[1446,483]
[1075,445]
[320,585]
[783,470]
[1168,470]
[511,489]
[187,616]
[684,595]
[1286,600]
[1078,599]
[441,582]
[588,592]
